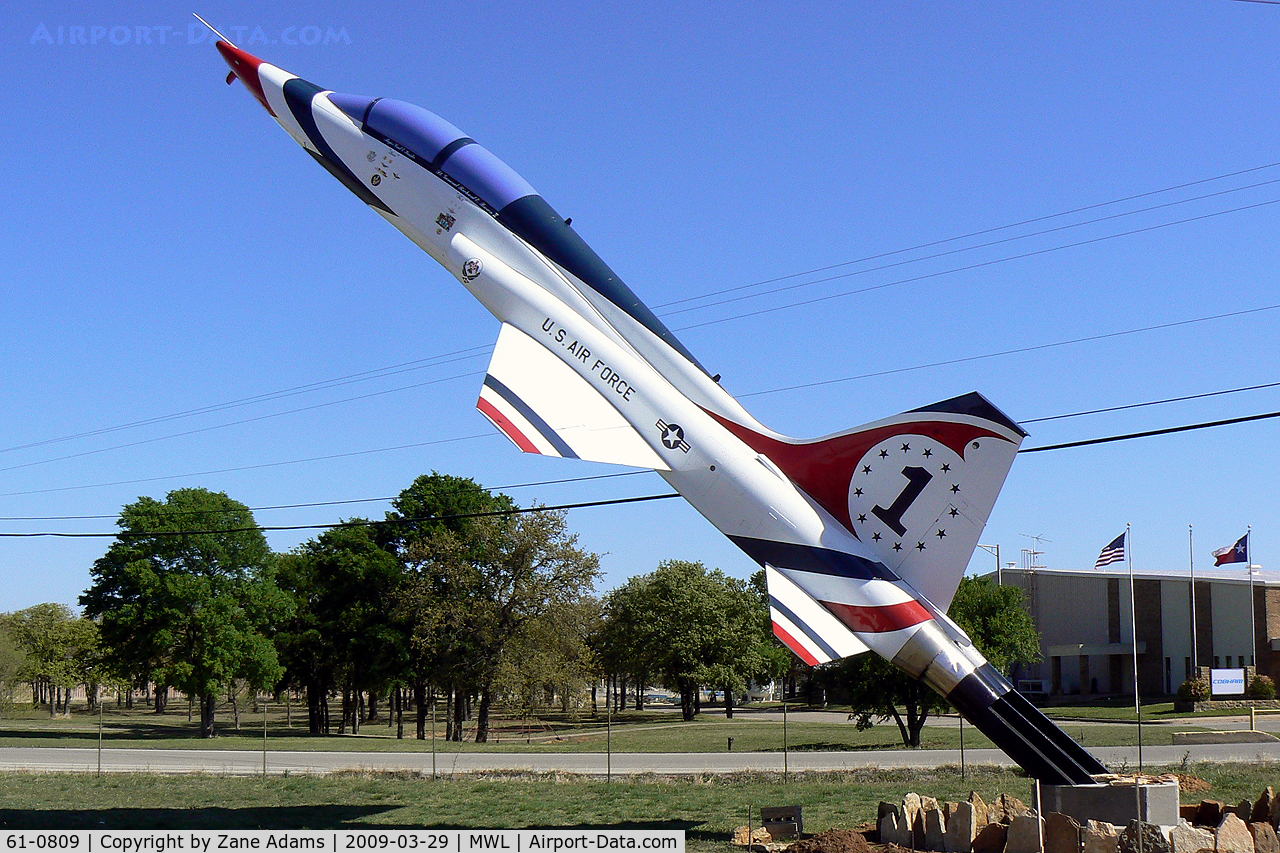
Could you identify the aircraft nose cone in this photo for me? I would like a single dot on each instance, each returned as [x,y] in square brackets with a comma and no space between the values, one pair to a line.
[244,65]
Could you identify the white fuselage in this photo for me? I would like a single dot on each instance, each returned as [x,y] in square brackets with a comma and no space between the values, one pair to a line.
[736,488]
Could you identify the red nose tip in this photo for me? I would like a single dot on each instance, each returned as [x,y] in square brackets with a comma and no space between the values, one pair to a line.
[245,66]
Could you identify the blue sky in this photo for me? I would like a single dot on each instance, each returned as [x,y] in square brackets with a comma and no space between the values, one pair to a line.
[169,249]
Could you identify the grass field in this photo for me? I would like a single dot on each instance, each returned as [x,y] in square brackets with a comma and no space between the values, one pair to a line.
[659,730]
[706,808]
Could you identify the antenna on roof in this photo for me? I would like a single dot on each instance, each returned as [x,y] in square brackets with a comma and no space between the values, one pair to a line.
[1030,556]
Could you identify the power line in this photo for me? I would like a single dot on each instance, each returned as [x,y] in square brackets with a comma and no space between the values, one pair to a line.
[1151,432]
[265,417]
[972,248]
[310,504]
[1161,402]
[801,386]
[607,502]
[979,233]
[471,352]
[978,265]
[326,458]
[1016,351]
[122,534]
[320,385]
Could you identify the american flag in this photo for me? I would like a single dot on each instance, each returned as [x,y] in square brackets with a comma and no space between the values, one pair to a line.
[1113,553]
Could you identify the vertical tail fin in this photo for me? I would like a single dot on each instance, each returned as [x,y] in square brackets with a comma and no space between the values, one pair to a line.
[916,488]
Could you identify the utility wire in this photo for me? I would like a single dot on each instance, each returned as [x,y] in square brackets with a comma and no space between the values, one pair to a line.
[565,480]
[979,233]
[265,417]
[1015,351]
[800,386]
[512,486]
[1181,399]
[607,502]
[585,504]
[124,534]
[978,265]
[820,383]
[475,351]
[972,248]
[330,456]
[320,385]
[1148,433]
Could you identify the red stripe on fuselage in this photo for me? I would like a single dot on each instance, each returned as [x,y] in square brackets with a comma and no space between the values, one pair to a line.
[790,642]
[504,423]
[877,620]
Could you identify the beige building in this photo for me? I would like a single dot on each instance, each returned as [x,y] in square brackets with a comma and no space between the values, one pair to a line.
[1087,640]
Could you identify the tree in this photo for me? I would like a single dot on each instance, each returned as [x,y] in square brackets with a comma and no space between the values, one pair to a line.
[476,592]
[186,597]
[994,617]
[13,661]
[690,627]
[343,586]
[997,620]
[876,689]
[59,650]
[552,656]
[435,504]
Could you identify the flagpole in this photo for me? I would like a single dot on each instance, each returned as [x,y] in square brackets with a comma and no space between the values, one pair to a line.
[1133,615]
[1133,625]
[1253,626]
[1195,646]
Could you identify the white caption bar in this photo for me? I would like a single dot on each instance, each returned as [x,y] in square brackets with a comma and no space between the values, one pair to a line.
[445,841]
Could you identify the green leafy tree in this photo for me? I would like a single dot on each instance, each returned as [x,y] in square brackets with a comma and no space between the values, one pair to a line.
[477,591]
[552,656]
[59,650]
[689,626]
[994,617]
[441,652]
[13,662]
[186,597]
[343,586]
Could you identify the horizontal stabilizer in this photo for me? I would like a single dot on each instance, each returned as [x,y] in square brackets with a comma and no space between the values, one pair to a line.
[805,626]
[543,406]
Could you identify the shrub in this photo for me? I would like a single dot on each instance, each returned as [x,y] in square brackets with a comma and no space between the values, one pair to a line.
[1196,690]
[1262,687]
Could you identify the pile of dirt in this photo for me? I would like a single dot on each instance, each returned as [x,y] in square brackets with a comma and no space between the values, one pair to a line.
[833,841]
[1191,784]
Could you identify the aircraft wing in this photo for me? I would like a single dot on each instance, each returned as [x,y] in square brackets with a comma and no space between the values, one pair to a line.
[543,406]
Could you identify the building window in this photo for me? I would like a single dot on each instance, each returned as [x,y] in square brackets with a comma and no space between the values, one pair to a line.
[1168,675]
[1216,662]
[1187,665]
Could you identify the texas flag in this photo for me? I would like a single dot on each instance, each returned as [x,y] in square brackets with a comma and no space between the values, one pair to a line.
[1237,553]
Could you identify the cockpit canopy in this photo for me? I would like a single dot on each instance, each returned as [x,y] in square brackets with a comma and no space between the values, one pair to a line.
[437,145]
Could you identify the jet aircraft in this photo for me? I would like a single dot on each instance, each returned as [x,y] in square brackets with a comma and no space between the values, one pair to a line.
[863,535]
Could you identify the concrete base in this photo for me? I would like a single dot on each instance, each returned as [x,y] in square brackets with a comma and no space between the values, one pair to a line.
[1154,802]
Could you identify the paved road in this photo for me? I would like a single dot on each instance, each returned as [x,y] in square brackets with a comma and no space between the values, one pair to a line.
[246,763]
